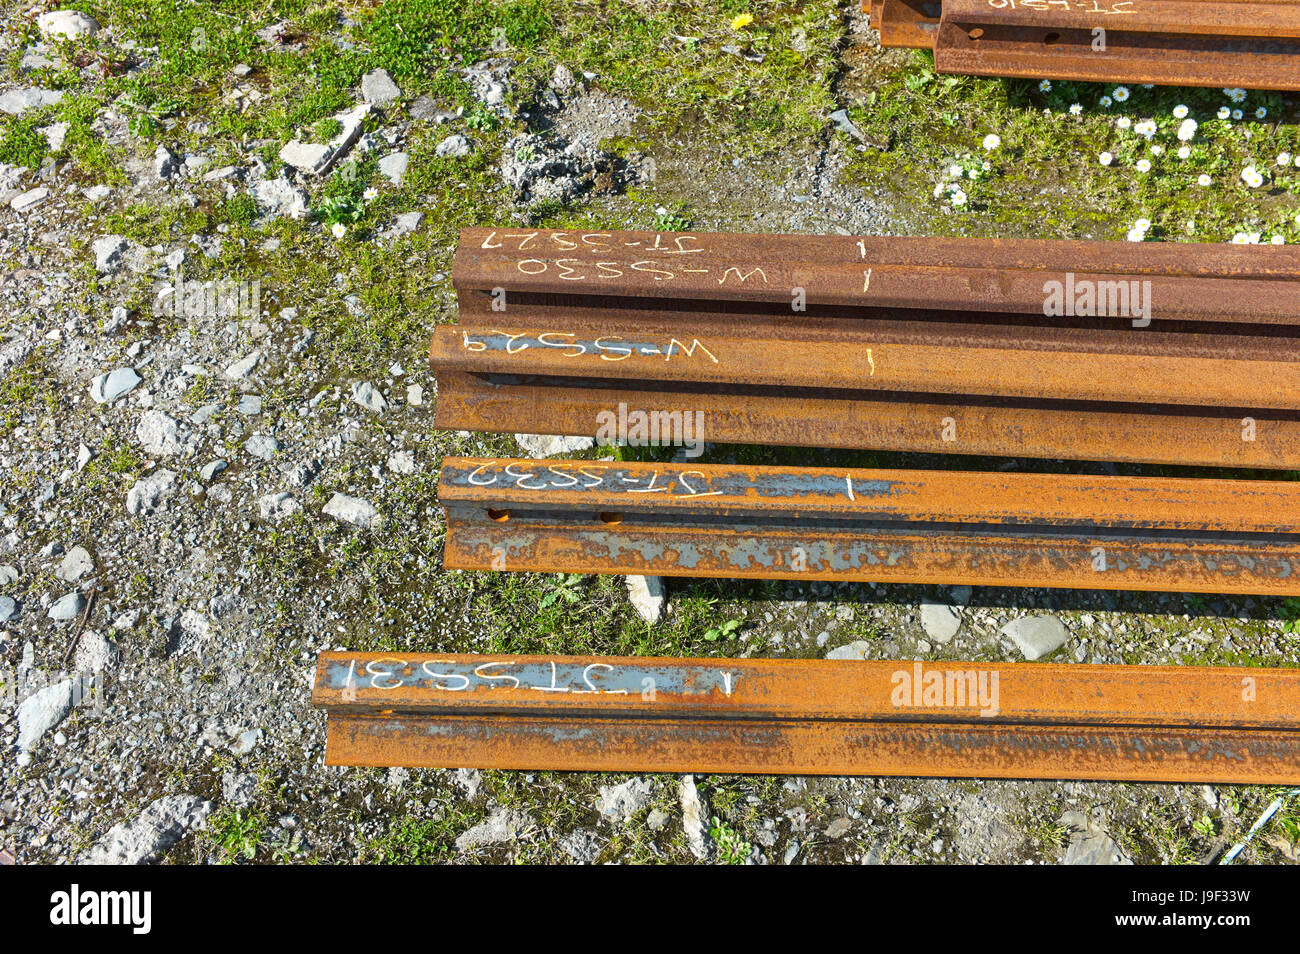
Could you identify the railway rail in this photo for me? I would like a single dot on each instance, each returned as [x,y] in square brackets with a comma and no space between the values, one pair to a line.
[818,717]
[934,527]
[1167,353]
[1253,44]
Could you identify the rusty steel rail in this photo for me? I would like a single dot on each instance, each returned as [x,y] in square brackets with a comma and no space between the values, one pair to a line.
[919,344]
[935,527]
[818,717]
[1249,43]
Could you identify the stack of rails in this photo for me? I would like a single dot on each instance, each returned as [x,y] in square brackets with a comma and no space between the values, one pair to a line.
[814,717]
[1172,353]
[1253,44]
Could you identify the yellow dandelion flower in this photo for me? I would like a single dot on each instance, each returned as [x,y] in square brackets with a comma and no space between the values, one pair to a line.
[742,21]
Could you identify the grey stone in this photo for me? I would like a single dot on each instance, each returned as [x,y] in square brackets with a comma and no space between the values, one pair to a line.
[148,493]
[402,462]
[42,711]
[8,609]
[211,469]
[250,405]
[656,819]
[581,846]
[368,396]
[404,224]
[18,101]
[143,839]
[96,653]
[353,510]
[378,88]
[1036,636]
[393,167]
[646,594]
[316,158]
[262,446]
[8,574]
[54,135]
[67,607]
[277,198]
[561,78]
[1090,845]
[110,253]
[75,565]
[694,811]
[238,789]
[66,24]
[538,446]
[841,119]
[107,388]
[621,802]
[503,826]
[244,366]
[160,434]
[940,621]
[277,506]
[454,146]
[307,156]
[165,163]
[857,649]
[29,199]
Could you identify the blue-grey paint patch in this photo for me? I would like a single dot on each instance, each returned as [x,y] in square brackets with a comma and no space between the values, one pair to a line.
[538,679]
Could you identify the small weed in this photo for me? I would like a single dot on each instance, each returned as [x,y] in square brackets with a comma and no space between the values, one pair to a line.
[565,588]
[732,849]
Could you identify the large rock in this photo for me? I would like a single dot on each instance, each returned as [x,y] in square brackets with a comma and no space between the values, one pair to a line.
[110,253]
[1036,636]
[18,101]
[66,25]
[107,388]
[549,445]
[316,158]
[454,146]
[1089,845]
[857,649]
[393,167]
[145,838]
[148,493]
[378,88]
[621,802]
[353,510]
[505,825]
[277,198]
[646,594]
[42,711]
[940,621]
[8,609]
[75,565]
[694,811]
[160,434]
[67,608]
[368,396]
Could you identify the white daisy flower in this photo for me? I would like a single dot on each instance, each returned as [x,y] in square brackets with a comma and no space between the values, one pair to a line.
[1261,113]
[1143,224]
[1157,150]
[1076,109]
[1045,86]
[1251,176]
[1186,130]
[1203,180]
[1284,158]
[1144,165]
[1136,235]
[1278,240]
[1236,95]
[1104,102]
[339,230]
[1184,152]
[1123,122]
[958,197]
[1120,93]
[992,141]
[1224,112]
[1237,114]
[1240,239]
[954,171]
[1145,128]
[1180,111]
[369,194]
[1105,158]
